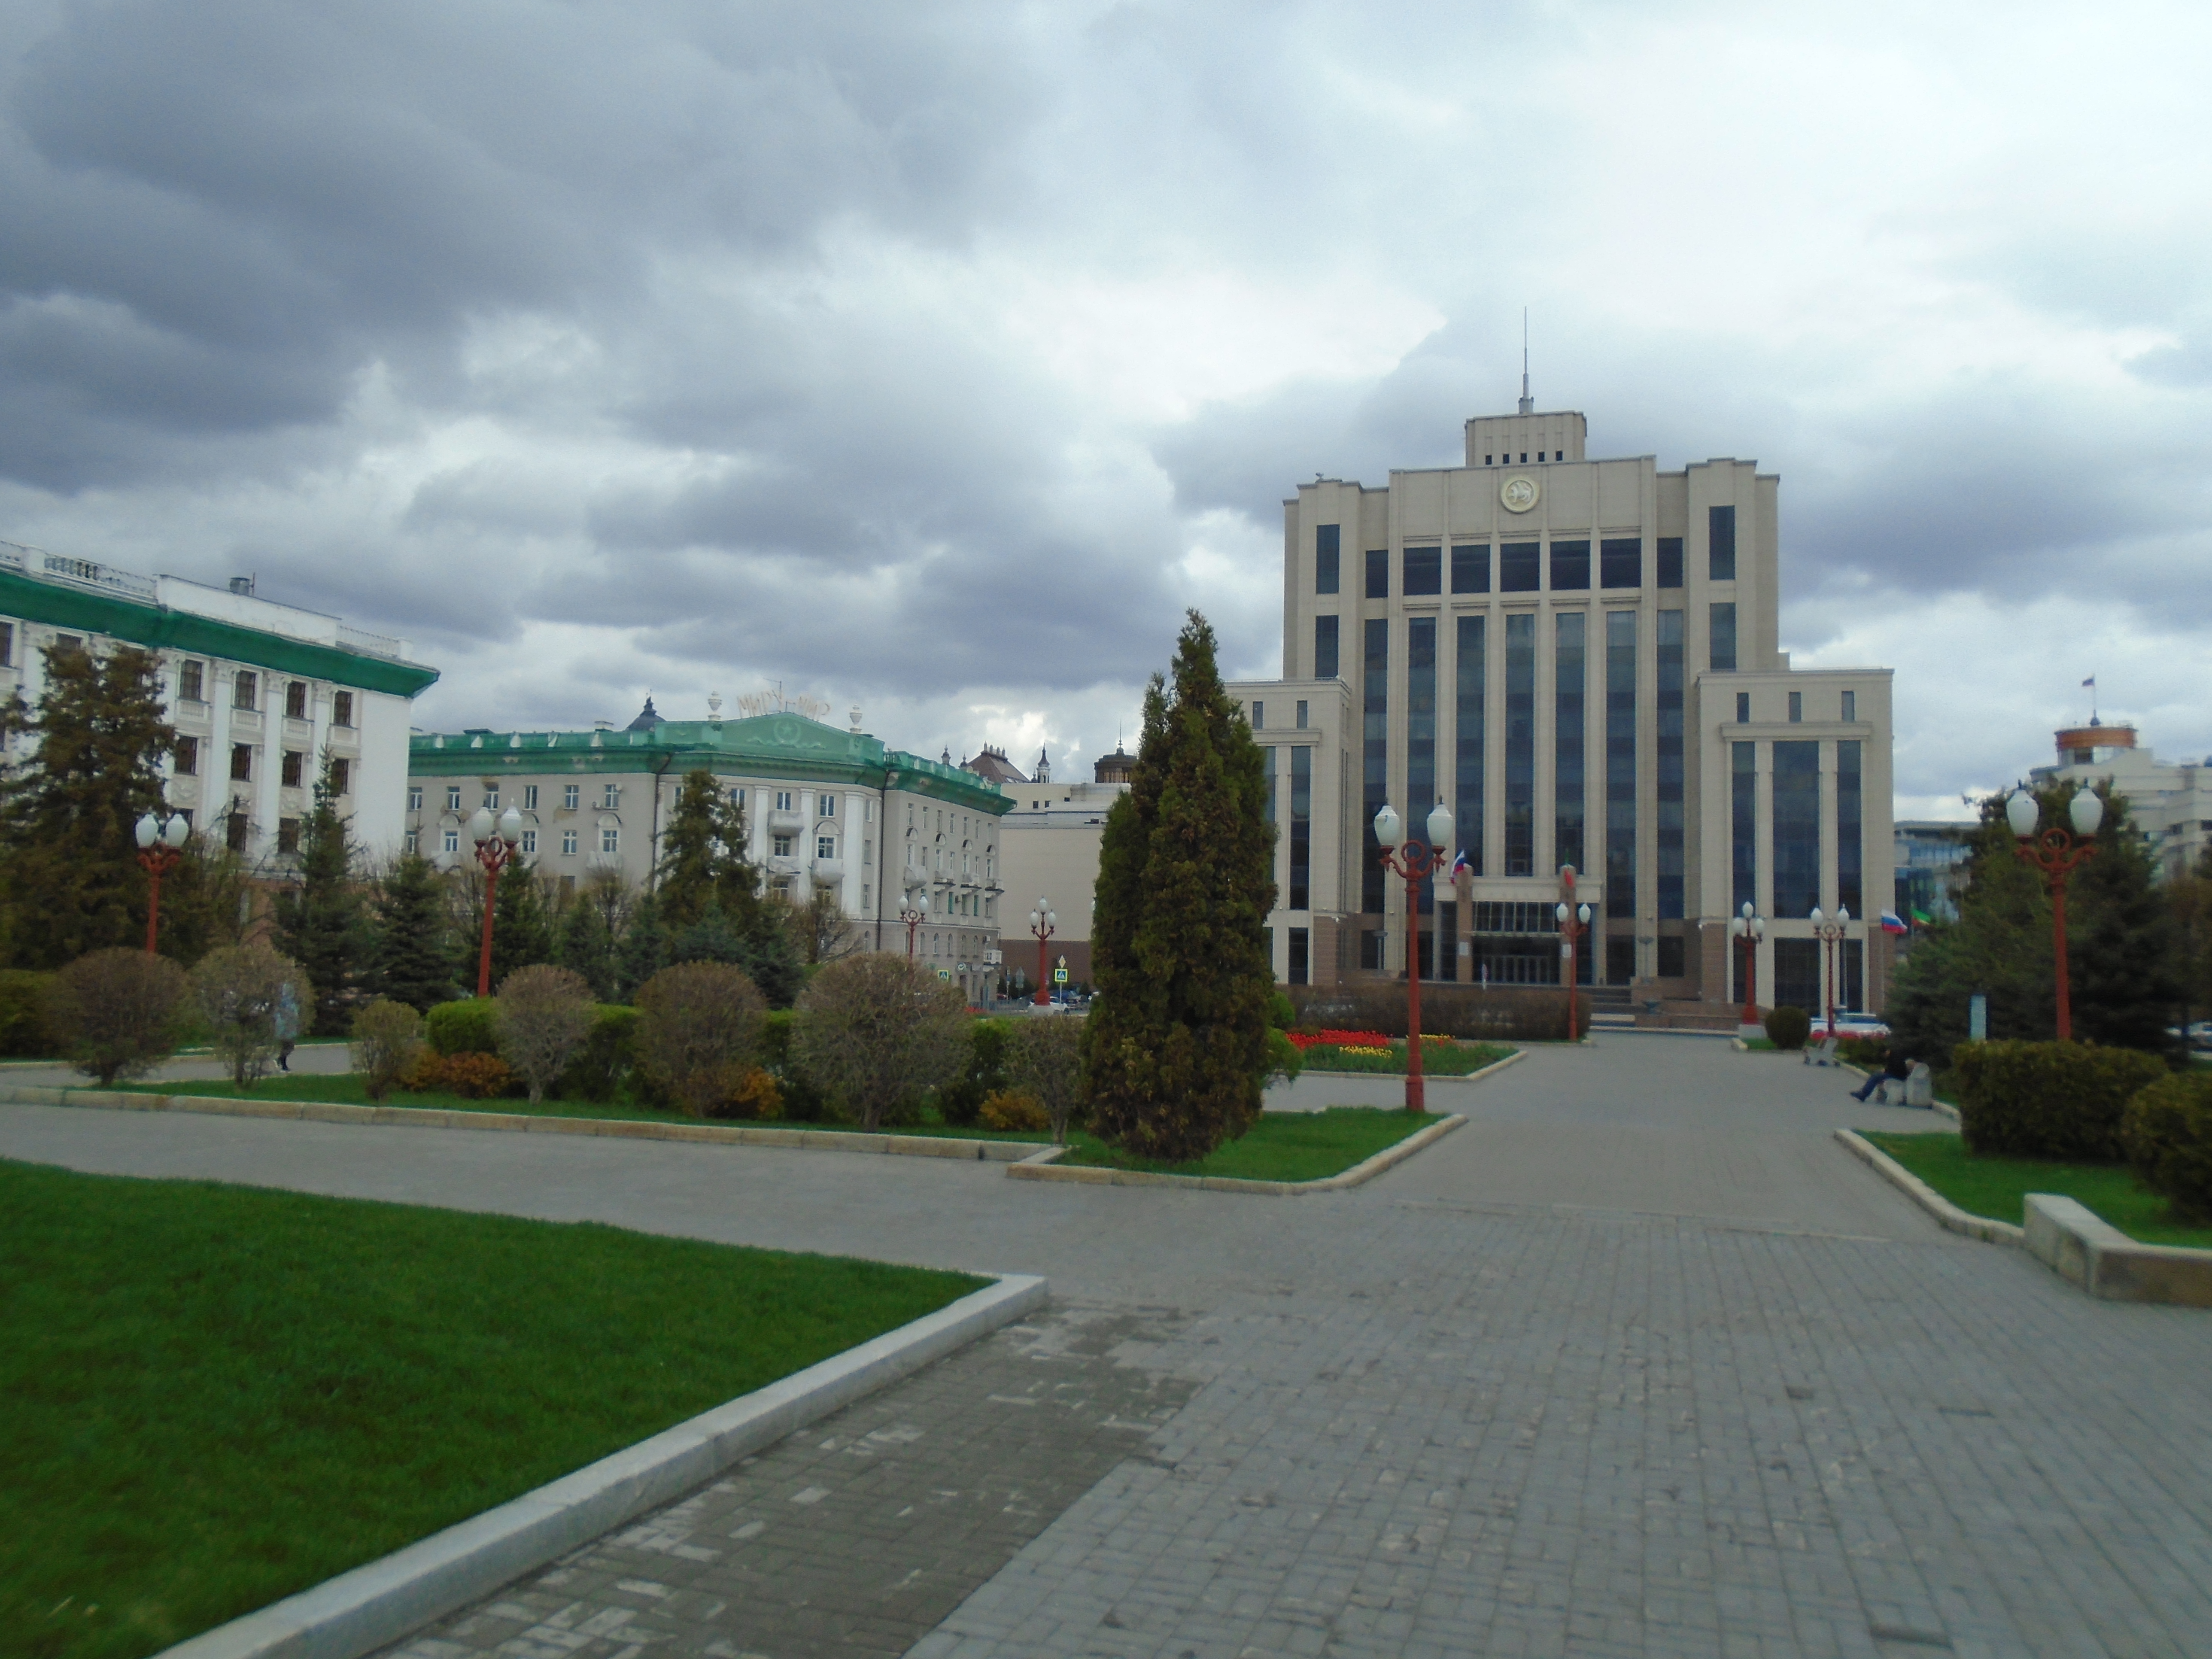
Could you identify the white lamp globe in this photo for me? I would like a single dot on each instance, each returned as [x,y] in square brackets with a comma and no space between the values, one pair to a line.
[1737,926]
[178,832]
[1843,913]
[1559,911]
[2087,811]
[1582,915]
[1389,829]
[1746,909]
[481,825]
[1816,918]
[510,825]
[1440,827]
[147,832]
[2021,813]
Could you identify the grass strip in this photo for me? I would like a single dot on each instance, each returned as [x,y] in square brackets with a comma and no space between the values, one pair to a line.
[1437,1059]
[219,1395]
[1280,1147]
[1997,1187]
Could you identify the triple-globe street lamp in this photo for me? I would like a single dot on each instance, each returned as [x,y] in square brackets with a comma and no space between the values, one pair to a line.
[161,844]
[1416,863]
[1749,929]
[913,912]
[2057,852]
[1043,923]
[1830,931]
[496,840]
[1574,921]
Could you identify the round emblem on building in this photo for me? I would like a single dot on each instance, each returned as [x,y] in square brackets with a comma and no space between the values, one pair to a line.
[1519,494]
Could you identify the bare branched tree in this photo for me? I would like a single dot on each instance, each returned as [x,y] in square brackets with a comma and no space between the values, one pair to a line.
[875,1031]
[543,1014]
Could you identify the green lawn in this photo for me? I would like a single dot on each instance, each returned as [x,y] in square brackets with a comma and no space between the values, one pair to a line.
[1437,1059]
[219,1395]
[1997,1186]
[1281,1146]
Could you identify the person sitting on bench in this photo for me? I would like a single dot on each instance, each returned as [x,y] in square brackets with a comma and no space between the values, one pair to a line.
[1898,1068]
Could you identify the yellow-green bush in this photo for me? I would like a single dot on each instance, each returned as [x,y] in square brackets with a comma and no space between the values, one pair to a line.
[1005,1108]
[24,1034]
[2167,1132]
[2060,1100]
[1787,1027]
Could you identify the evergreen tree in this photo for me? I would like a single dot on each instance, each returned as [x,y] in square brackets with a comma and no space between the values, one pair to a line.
[690,854]
[586,947]
[2120,940]
[411,961]
[320,923]
[521,930]
[1176,1046]
[69,876]
[206,901]
[643,950]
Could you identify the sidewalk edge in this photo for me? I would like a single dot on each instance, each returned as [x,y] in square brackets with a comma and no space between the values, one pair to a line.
[1091,1175]
[1945,1213]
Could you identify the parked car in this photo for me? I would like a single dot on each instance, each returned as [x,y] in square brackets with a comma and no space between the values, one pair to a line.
[1850,1025]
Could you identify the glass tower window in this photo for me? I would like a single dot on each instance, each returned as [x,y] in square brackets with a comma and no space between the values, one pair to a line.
[1327,543]
[1723,638]
[1521,744]
[1620,763]
[1378,573]
[1301,828]
[1849,890]
[1797,975]
[1743,824]
[1375,759]
[1466,806]
[1471,569]
[1424,570]
[1325,662]
[1670,561]
[1519,568]
[1620,562]
[1570,688]
[1570,567]
[1797,818]
[1671,770]
[1421,730]
[1720,544]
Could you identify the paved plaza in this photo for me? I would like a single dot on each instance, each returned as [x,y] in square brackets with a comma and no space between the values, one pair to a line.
[1638,1363]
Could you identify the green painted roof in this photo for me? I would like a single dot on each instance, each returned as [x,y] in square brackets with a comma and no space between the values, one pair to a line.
[768,745]
[158,626]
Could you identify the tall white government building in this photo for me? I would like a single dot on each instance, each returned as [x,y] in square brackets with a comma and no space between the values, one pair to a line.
[1580,657]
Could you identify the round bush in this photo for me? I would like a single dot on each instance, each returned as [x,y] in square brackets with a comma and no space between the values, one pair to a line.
[467,1027]
[698,1032]
[543,1014]
[2168,1132]
[243,992]
[386,1037]
[1006,1109]
[875,1032]
[2061,1100]
[114,1011]
[1787,1027]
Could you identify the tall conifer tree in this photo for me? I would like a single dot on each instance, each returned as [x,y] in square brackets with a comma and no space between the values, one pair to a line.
[412,961]
[320,923]
[1177,1044]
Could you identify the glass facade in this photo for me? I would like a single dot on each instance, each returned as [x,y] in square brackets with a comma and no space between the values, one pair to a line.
[1671,769]
[1850,975]
[1268,761]
[1723,635]
[1720,544]
[1301,828]
[1521,744]
[1570,567]
[1797,820]
[1375,760]
[1620,562]
[1467,779]
[1571,679]
[1743,826]
[1670,560]
[1519,568]
[1328,544]
[1620,763]
[1424,570]
[1471,569]
[1421,793]
[1850,887]
[1325,659]
[1301,970]
[1378,573]
[1797,975]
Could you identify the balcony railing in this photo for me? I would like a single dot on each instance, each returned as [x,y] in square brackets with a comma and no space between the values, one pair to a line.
[78,572]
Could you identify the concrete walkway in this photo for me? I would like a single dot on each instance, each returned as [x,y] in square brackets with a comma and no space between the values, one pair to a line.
[1639,1363]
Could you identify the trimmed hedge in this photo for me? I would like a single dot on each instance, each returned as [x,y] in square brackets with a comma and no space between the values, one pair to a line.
[2058,1100]
[461,1027]
[1787,1027]
[603,1064]
[24,1034]
[2167,1132]
[1504,1013]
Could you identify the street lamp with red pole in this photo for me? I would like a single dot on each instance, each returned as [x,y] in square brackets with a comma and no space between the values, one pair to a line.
[495,842]
[159,846]
[914,913]
[1750,929]
[1573,924]
[1830,932]
[1415,863]
[2057,852]
[1044,923]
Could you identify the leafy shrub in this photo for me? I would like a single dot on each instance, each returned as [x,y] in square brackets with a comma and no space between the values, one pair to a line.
[113,1012]
[802,1100]
[1787,1027]
[1285,1058]
[875,1032]
[24,1034]
[388,1036]
[466,1027]
[2168,1132]
[756,1096]
[600,1067]
[1870,1052]
[543,1014]
[472,1076]
[1009,1108]
[1281,1014]
[2062,1100]
[959,1102]
[239,990]
[698,1032]
[1046,1063]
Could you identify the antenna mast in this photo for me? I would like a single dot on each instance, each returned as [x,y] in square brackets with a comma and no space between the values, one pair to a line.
[1528,403]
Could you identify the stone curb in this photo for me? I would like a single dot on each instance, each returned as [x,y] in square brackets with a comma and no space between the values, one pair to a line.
[1518,1054]
[1945,1212]
[2088,1251]
[1043,1167]
[433,1117]
[373,1606]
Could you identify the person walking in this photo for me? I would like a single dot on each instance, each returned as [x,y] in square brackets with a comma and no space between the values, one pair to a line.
[1896,1065]
[287,1027]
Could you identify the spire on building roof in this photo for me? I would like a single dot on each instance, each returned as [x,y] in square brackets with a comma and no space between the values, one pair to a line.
[647,717]
[1528,403]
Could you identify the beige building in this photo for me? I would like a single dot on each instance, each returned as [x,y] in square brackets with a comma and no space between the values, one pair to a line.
[1581,657]
[1051,839]
[2172,803]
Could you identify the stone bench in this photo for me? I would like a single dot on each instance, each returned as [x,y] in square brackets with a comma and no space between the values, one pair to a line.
[2085,1250]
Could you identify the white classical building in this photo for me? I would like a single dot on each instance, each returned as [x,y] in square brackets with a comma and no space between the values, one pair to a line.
[2172,803]
[260,693]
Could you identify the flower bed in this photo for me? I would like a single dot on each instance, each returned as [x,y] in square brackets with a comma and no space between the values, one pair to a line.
[1355,1042]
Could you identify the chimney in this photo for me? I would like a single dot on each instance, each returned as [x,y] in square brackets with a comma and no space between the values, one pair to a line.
[242,585]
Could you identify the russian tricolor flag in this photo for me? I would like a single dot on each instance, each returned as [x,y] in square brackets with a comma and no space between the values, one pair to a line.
[1893,923]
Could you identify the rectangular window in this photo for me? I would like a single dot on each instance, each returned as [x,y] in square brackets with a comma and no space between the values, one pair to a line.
[1325,544]
[1521,744]
[529,843]
[191,682]
[783,804]
[1723,638]
[779,845]
[1620,562]
[1797,975]
[611,798]
[1620,763]
[1795,815]
[1467,687]
[288,835]
[1849,890]
[1620,961]
[1370,949]
[341,708]
[1570,567]
[295,700]
[1850,709]
[1670,560]
[66,644]
[491,797]
[452,841]
[245,690]
[1302,714]
[1796,708]
[1672,957]
[1325,664]
[1267,771]
[1259,716]
[412,841]
[568,842]
[1421,794]
[1301,970]
[1424,570]
[610,839]
[452,798]
[530,798]
[1471,569]
[1850,975]
[1720,544]
[235,829]
[1378,573]
[825,847]
[1519,568]
[1669,782]
[1300,831]
[572,796]
[187,754]
[1375,760]
[242,763]
[827,807]
[415,798]
[1743,708]
[341,777]
[1570,689]
[7,645]
[1743,825]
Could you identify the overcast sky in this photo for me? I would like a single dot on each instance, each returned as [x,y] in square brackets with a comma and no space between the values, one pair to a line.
[931,359]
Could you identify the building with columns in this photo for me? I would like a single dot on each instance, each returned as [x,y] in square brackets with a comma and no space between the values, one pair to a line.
[1581,657]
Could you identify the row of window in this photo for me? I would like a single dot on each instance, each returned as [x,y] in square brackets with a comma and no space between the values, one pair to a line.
[292,767]
[1505,458]
[1519,564]
[191,681]
[450,841]
[1720,636]
[1847,707]
[1259,716]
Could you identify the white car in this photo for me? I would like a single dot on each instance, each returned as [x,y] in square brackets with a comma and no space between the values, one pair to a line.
[1850,1025]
